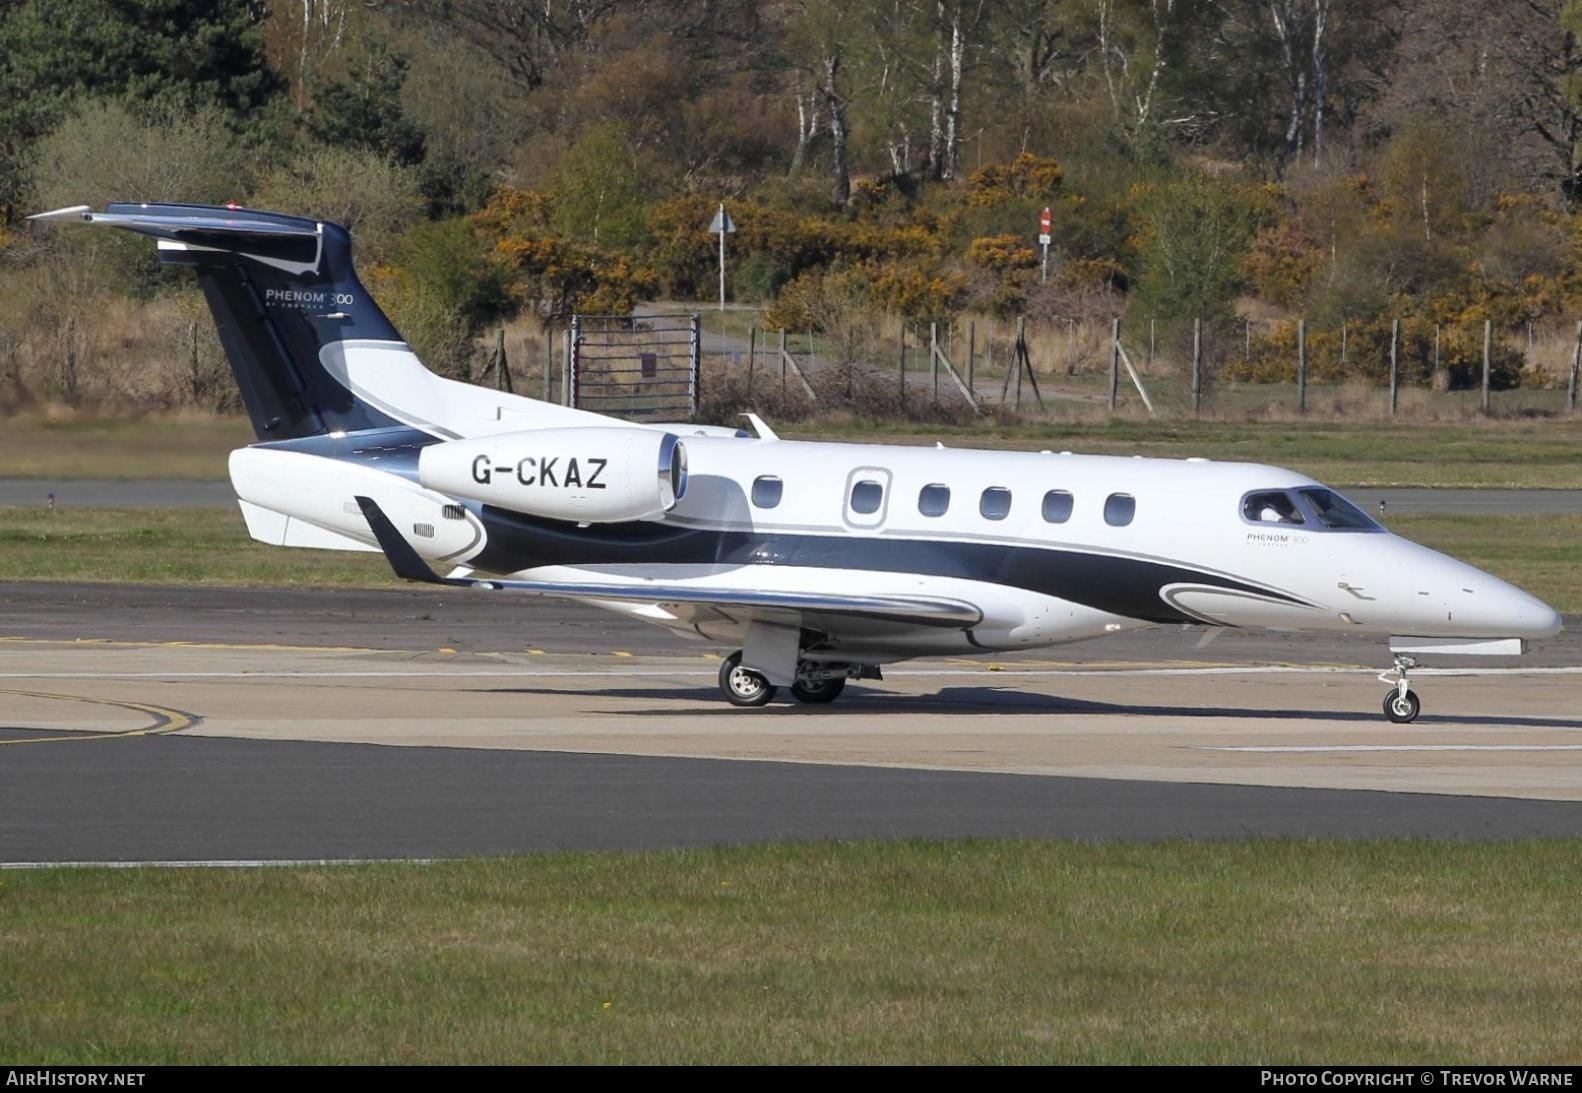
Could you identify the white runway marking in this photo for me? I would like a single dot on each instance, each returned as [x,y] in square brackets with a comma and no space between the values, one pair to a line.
[1289,748]
[710,673]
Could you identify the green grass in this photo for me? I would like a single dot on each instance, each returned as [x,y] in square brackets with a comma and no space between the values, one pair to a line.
[120,448]
[1542,554]
[165,546]
[1497,453]
[1249,952]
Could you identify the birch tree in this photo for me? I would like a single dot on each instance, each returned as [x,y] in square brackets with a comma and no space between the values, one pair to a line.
[1132,48]
[820,33]
[958,23]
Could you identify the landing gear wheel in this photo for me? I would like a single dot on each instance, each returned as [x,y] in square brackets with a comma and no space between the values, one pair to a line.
[743,686]
[818,691]
[1401,704]
[1402,707]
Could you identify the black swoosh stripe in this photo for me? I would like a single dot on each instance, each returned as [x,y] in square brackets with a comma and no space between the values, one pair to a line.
[1121,585]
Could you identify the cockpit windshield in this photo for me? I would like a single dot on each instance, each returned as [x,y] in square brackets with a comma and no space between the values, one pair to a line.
[1334,511]
[1271,507]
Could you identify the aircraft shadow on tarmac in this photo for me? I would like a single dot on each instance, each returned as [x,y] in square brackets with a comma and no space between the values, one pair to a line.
[996,700]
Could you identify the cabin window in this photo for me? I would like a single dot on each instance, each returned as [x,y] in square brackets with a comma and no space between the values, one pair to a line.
[1119,508]
[866,497]
[933,500]
[766,491]
[1271,507]
[1057,506]
[995,504]
[1335,512]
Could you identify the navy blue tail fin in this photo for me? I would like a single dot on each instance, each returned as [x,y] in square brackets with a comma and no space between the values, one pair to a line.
[281,288]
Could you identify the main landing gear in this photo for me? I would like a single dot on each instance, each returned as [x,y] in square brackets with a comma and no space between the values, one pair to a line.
[816,682]
[1401,705]
[743,686]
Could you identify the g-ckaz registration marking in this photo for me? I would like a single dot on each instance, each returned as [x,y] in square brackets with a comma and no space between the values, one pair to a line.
[536,471]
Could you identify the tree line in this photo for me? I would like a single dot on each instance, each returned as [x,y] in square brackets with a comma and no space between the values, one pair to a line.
[1339,159]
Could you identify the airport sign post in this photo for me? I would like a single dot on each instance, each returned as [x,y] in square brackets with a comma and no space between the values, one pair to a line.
[721,225]
[1044,223]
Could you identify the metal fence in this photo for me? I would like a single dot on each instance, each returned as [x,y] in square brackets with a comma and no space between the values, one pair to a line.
[634,366]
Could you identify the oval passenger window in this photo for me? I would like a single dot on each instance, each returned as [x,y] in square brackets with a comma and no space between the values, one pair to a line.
[866,497]
[1057,506]
[934,500]
[766,491]
[995,504]
[1119,508]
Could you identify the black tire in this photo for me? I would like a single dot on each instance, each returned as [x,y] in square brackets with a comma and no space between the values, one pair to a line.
[1401,709]
[743,686]
[824,690]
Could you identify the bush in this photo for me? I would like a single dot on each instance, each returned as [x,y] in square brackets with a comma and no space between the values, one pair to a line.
[1197,232]
[599,192]
[372,197]
[1273,356]
[451,261]
[102,152]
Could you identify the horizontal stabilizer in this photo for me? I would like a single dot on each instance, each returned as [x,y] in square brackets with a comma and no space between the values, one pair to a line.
[291,244]
[171,222]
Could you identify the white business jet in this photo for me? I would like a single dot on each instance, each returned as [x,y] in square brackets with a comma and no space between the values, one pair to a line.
[820,562]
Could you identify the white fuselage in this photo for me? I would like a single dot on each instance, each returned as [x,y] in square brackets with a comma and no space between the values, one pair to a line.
[855,518]
[1187,513]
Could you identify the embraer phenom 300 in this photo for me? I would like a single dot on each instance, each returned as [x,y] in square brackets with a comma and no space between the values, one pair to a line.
[821,562]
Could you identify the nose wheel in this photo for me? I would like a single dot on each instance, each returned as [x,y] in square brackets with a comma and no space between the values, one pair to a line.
[1401,705]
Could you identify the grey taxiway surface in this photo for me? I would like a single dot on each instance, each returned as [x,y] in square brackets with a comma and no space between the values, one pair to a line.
[162,724]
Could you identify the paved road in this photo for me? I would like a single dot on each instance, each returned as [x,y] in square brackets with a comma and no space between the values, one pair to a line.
[187,493]
[1468,502]
[282,758]
[489,622]
[207,799]
[97,493]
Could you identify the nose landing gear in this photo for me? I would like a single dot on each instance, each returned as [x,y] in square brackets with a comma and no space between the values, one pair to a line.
[1401,705]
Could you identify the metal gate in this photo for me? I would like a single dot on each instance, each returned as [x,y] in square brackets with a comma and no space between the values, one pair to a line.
[635,366]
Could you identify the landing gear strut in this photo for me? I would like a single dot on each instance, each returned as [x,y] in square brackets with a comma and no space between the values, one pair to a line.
[817,682]
[1401,705]
[743,686]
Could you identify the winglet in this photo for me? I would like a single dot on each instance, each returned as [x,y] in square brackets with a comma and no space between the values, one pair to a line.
[406,562]
[760,428]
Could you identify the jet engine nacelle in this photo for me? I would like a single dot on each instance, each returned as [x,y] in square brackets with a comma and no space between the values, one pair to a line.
[590,475]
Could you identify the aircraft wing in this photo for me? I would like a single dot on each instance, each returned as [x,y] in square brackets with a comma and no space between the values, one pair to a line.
[938,611]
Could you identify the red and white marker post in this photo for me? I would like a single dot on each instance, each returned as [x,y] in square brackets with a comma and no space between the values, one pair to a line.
[1044,223]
